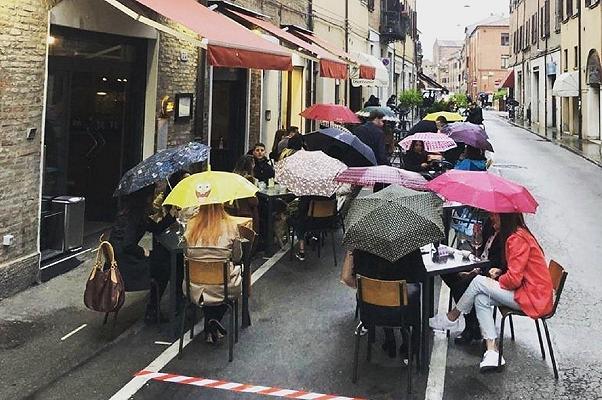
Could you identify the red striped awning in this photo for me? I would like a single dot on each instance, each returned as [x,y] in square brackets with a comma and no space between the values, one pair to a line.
[330,65]
[228,43]
[509,80]
[366,71]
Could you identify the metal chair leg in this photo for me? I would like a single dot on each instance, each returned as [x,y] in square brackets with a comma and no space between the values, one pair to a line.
[231,335]
[356,353]
[545,327]
[334,248]
[292,255]
[409,371]
[511,327]
[543,351]
[501,345]
[182,327]
[494,314]
[357,311]
[236,321]
[370,341]
[105,319]
[193,322]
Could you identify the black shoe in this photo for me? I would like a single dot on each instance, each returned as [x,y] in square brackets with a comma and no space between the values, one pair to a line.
[467,336]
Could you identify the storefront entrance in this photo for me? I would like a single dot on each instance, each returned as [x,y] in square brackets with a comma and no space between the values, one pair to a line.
[94,120]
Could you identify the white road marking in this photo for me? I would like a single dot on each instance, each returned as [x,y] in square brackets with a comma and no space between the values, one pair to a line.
[436,380]
[163,343]
[134,385]
[73,332]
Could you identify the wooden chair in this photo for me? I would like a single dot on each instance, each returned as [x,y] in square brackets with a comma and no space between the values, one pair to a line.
[210,266]
[322,218]
[559,276]
[392,297]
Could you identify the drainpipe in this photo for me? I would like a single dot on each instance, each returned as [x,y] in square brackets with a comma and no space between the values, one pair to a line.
[347,81]
[580,113]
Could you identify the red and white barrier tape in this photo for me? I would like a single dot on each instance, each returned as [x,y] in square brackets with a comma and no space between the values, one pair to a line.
[239,387]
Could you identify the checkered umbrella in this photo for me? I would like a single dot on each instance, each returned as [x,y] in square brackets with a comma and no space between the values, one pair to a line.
[433,142]
[309,173]
[369,176]
[393,222]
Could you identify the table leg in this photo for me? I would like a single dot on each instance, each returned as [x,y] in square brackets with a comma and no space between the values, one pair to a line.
[447,215]
[173,292]
[269,229]
[427,312]
[246,286]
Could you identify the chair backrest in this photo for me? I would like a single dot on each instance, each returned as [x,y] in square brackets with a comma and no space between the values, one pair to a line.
[382,293]
[207,265]
[558,275]
[322,208]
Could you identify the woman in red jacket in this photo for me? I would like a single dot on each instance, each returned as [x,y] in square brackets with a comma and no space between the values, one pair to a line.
[525,286]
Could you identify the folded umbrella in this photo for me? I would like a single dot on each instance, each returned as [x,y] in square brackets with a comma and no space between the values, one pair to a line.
[369,176]
[309,173]
[390,115]
[160,166]
[210,187]
[330,112]
[449,116]
[433,142]
[484,190]
[339,143]
[470,134]
[393,222]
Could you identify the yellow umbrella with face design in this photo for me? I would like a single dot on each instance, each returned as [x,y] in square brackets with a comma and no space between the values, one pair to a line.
[210,187]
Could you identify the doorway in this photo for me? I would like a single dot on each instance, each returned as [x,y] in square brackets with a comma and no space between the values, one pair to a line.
[229,119]
[94,119]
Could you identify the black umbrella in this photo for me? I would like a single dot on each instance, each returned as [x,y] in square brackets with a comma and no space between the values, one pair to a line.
[341,144]
[423,126]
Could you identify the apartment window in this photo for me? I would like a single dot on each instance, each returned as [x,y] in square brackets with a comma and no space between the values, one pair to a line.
[569,9]
[576,57]
[370,5]
[505,39]
[527,35]
[534,33]
[559,16]
[591,3]
[505,62]
[545,31]
[566,60]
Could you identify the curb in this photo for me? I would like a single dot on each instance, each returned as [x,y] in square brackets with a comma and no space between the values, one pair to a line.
[562,145]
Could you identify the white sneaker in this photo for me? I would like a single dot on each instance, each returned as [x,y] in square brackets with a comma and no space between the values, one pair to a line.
[440,322]
[490,359]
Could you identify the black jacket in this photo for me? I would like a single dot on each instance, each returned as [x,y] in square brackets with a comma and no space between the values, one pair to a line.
[263,170]
[374,137]
[125,235]
[475,116]
[413,161]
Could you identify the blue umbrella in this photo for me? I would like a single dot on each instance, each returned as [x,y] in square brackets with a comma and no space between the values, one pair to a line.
[339,143]
[160,166]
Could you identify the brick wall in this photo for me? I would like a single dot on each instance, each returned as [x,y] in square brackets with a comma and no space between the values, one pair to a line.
[176,76]
[22,65]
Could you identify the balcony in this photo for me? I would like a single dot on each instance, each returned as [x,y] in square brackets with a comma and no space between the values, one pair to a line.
[395,23]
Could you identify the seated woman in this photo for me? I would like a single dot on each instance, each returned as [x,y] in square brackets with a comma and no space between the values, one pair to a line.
[416,158]
[294,144]
[525,286]
[409,268]
[133,221]
[472,159]
[459,282]
[212,226]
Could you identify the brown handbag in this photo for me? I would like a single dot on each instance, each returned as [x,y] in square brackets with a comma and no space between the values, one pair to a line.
[105,291]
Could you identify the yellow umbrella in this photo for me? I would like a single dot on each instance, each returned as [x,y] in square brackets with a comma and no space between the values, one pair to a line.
[210,187]
[449,116]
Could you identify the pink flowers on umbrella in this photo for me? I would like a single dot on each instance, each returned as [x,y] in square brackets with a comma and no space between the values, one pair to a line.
[433,142]
[369,176]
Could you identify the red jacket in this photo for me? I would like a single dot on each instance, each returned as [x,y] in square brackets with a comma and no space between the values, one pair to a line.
[528,275]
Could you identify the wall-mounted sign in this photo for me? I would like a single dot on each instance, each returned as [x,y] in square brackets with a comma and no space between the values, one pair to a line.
[183,110]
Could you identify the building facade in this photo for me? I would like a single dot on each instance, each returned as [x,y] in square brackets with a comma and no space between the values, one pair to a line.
[487,47]
[86,91]
[444,54]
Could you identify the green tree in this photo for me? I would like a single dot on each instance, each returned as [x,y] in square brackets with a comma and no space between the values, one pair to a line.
[460,100]
[408,99]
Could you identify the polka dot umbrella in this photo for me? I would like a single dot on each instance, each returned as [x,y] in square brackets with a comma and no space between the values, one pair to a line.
[393,222]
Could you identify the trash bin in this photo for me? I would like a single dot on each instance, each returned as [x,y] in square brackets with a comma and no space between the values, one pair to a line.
[73,209]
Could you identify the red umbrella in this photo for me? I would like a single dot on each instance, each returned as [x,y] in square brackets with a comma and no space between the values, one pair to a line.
[369,176]
[330,112]
[483,190]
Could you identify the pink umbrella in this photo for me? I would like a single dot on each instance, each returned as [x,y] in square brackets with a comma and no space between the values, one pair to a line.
[483,190]
[433,142]
[368,176]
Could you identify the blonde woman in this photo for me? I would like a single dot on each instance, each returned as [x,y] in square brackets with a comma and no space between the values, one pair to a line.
[212,226]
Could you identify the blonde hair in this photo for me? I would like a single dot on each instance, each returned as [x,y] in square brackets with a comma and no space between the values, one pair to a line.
[210,224]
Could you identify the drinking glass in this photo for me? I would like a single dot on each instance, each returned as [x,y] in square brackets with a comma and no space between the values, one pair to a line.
[477,238]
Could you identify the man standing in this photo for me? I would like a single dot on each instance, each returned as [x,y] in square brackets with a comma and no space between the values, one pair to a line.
[373,136]
[290,132]
[263,170]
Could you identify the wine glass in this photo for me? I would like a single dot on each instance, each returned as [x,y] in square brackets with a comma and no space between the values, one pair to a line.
[477,237]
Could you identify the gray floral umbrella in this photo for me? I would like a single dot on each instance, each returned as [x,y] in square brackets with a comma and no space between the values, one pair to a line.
[160,166]
[393,222]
